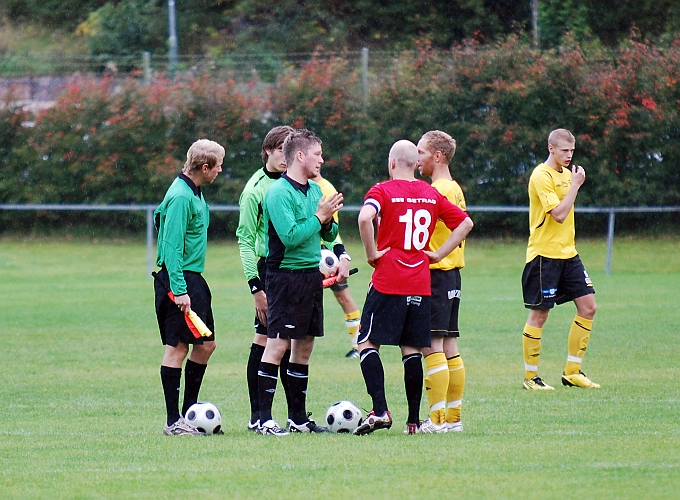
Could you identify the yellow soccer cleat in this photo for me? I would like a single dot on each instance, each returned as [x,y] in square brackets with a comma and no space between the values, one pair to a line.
[579,380]
[536,384]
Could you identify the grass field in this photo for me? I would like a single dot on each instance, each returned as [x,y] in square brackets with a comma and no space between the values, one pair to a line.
[82,409]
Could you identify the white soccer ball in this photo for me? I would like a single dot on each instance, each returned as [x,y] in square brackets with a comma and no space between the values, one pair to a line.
[343,417]
[328,265]
[205,417]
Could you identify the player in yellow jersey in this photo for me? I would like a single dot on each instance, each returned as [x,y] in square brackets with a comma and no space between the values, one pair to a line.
[445,377]
[554,273]
[341,290]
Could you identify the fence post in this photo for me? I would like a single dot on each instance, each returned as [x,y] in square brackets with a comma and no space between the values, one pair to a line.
[610,243]
[364,78]
[146,64]
[172,40]
[149,241]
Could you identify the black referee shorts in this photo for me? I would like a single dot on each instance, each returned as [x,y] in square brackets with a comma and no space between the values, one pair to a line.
[171,322]
[445,302]
[295,303]
[546,282]
[402,320]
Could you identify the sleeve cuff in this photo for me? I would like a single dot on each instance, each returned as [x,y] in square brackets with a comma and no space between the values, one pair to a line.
[339,249]
[327,226]
[255,285]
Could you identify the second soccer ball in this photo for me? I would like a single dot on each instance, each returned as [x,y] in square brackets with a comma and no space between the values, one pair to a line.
[343,417]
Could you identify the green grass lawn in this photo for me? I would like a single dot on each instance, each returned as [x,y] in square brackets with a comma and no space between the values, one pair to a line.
[82,408]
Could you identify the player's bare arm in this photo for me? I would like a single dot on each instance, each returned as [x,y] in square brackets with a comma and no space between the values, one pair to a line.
[455,238]
[367,233]
[578,177]
[328,206]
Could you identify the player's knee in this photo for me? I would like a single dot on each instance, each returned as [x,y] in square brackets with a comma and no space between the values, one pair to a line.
[204,351]
[260,339]
[538,317]
[274,350]
[210,347]
[588,310]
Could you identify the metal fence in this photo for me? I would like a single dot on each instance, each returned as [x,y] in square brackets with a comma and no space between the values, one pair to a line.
[149,209]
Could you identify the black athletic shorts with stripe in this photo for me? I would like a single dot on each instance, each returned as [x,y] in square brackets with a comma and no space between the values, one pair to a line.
[402,320]
[546,282]
[445,302]
[295,303]
[171,322]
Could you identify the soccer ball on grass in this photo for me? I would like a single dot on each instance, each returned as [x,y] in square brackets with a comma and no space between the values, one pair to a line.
[328,265]
[343,417]
[205,417]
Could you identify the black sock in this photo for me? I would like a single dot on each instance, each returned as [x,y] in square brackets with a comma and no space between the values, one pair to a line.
[254,361]
[413,383]
[298,377]
[267,377]
[283,375]
[170,378]
[374,376]
[193,377]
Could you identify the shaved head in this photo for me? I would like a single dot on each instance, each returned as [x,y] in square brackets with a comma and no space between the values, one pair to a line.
[405,154]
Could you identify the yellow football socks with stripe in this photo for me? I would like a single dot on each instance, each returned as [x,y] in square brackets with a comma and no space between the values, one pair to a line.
[352,321]
[436,383]
[454,394]
[579,335]
[531,345]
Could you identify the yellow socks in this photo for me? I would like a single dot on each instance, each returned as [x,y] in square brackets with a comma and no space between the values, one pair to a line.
[531,345]
[436,383]
[579,335]
[454,394]
[352,321]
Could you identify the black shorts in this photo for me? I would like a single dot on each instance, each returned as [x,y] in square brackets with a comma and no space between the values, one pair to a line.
[295,304]
[262,272]
[546,282]
[445,302]
[402,320]
[171,322]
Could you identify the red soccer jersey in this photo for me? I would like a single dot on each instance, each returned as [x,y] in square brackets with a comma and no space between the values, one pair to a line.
[407,215]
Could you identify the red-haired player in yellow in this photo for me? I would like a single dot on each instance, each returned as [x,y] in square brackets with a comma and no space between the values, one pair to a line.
[445,377]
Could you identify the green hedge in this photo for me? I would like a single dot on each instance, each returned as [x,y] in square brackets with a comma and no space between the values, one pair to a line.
[112,142]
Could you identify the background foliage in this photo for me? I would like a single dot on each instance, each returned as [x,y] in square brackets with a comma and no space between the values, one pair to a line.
[125,27]
[122,142]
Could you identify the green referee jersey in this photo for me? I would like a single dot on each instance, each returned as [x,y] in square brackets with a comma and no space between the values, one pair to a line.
[182,221]
[251,229]
[293,231]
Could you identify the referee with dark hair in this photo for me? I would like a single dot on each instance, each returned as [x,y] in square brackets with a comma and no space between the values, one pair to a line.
[182,221]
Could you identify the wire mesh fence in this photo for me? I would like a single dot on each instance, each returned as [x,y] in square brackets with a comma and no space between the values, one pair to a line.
[610,212]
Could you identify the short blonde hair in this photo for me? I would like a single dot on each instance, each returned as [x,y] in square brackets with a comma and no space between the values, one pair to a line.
[560,134]
[441,141]
[201,152]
